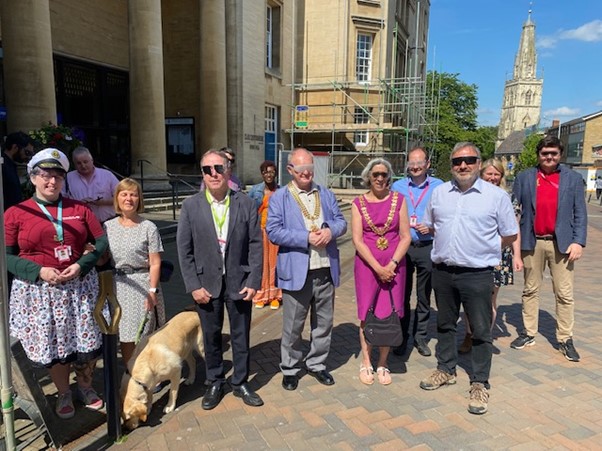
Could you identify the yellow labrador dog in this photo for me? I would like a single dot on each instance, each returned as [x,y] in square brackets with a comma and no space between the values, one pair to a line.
[158,358]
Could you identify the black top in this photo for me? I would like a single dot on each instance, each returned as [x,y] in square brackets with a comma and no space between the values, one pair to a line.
[11,184]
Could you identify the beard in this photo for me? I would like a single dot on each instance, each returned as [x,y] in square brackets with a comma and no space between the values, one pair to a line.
[465,182]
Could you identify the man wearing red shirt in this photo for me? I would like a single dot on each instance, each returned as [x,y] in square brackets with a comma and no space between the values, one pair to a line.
[553,229]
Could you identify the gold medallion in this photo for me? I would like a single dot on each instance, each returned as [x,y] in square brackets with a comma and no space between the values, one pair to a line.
[382,243]
[314,228]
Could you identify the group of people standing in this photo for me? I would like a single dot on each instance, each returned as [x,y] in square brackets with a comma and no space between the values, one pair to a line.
[55,240]
[278,244]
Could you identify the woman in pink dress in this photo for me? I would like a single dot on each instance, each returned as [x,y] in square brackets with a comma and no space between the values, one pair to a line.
[381,236]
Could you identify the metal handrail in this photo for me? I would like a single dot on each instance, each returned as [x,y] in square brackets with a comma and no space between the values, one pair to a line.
[173,179]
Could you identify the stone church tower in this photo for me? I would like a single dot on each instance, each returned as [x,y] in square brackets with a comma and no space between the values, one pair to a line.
[522,95]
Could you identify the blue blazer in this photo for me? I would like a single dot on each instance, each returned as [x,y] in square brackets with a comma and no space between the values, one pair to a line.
[571,217]
[286,228]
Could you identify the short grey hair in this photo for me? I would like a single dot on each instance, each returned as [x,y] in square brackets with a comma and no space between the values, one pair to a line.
[81,150]
[368,169]
[462,145]
[297,150]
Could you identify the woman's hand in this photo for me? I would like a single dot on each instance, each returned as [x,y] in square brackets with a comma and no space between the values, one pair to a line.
[50,275]
[386,273]
[70,272]
[151,301]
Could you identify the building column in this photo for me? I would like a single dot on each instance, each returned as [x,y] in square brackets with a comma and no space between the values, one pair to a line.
[234,78]
[28,65]
[213,123]
[147,97]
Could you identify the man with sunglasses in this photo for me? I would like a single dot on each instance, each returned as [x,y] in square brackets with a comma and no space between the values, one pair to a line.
[467,217]
[221,253]
[304,220]
[417,188]
[553,229]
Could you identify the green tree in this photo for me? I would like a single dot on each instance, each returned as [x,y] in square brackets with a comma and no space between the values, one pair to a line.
[528,156]
[457,119]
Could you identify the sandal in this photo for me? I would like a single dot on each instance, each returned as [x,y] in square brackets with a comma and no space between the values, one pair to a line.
[64,406]
[367,375]
[384,375]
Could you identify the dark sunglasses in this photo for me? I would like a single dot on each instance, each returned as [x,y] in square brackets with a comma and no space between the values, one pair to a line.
[218,168]
[376,175]
[468,160]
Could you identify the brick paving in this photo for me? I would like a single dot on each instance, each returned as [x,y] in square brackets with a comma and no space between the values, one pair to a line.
[539,400]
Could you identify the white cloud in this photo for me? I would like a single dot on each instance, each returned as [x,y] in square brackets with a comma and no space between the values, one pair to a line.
[589,32]
[598,103]
[563,111]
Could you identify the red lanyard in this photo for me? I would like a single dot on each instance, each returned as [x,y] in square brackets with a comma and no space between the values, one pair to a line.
[415,204]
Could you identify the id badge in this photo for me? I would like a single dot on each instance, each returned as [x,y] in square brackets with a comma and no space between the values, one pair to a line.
[222,245]
[413,220]
[62,253]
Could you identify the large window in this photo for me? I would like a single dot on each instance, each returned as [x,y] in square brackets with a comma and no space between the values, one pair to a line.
[272,37]
[179,132]
[363,58]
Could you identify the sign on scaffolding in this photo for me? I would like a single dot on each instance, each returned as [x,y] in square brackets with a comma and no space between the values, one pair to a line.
[301,116]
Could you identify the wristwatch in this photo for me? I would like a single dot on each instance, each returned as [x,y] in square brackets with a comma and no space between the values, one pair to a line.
[153,290]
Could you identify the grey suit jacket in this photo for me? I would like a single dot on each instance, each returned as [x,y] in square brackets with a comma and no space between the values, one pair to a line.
[199,255]
[571,217]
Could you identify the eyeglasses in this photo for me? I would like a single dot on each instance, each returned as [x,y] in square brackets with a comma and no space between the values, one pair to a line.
[549,154]
[417,164]
[468,160]
[47,177]
[300,168]
[384,175]
[218,168]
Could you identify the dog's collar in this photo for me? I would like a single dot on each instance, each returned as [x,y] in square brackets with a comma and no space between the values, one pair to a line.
[135,380]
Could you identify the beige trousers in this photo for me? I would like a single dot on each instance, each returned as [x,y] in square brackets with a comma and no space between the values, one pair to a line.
[561,270]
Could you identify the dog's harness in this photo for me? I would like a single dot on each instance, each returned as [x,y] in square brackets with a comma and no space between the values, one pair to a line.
[135,380]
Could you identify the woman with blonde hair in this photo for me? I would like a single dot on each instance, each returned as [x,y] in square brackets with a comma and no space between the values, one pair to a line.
[135,246]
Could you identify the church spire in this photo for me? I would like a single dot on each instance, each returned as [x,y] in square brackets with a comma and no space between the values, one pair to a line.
[525,63]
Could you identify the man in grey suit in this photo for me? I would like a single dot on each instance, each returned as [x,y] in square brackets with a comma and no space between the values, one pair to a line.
[220,251]
[305,221]
[553,228]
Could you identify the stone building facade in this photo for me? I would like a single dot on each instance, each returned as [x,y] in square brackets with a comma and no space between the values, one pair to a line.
[521,107]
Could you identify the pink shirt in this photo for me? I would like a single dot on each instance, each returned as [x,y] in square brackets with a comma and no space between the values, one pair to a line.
[100,186]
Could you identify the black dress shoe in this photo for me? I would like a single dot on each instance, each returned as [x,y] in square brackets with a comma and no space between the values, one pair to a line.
[213,396]
[323,377]
[422,347]
[249,397]
[290,382]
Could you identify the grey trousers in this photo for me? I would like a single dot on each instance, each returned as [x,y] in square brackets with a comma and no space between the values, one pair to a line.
[317,296]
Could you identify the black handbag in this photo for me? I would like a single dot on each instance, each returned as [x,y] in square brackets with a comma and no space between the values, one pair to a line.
[167,268]
[386,331]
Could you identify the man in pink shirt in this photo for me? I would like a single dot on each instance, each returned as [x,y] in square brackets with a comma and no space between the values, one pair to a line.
[92,185]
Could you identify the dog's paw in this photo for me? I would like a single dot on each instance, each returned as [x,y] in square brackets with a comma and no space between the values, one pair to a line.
[168,409]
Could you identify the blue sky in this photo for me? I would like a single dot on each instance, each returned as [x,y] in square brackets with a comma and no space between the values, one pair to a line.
[478,39]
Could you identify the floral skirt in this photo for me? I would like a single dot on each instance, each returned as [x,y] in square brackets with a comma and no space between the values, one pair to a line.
[55,323]
[503,274]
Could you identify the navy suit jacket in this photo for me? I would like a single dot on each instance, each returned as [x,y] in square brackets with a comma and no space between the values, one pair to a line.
[199,254]
[286,228]
[571,217]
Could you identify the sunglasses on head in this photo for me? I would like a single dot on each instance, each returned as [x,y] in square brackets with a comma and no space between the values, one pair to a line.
[218,168]
[468,160]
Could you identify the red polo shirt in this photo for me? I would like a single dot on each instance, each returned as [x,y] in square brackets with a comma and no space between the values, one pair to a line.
[546,205]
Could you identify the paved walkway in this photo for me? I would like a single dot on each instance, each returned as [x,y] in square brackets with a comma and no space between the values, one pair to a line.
[539,400]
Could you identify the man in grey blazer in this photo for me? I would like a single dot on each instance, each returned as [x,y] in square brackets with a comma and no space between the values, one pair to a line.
[220,251]
[553,228]
[305,221]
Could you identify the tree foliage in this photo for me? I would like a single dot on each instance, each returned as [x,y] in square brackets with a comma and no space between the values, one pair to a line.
[457,119]
[528,156]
